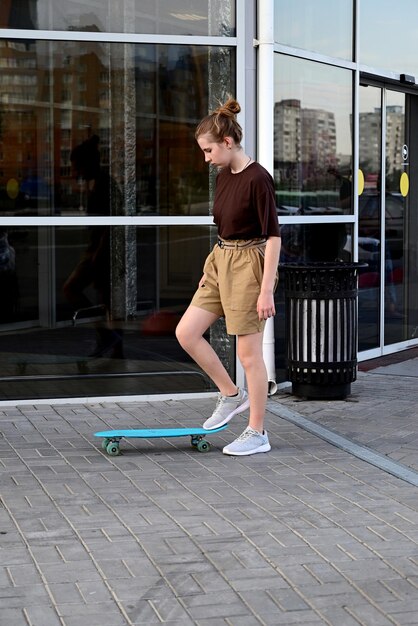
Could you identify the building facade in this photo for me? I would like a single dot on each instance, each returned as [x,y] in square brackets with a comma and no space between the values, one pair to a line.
[105,199]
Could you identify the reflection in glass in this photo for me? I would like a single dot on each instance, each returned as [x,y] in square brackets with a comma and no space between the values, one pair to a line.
[177,17]
[388,35]
[312,138]
[19,257]
[394,206]
[325,27]
[396,210]
[369,248]
[316,242]
[139,106]
[74,323]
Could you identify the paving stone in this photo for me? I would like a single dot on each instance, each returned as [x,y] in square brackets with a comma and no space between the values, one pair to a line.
[23,595]
[66,593]
[369,615]
[125,567]
[155,611]
[142,588]
[222,605]
[110,618]
[288,600]
[26,574]
[70,572]
[41,616]
[265,578]
[13,617]
[293,618]
[337,615]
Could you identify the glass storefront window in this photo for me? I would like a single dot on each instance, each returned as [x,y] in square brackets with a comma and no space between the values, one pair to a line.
[92,310]
[387,217]
[325,27]
[177,17]
[369,239]
[312,138]
[91,128]
[388,38]
[316,242]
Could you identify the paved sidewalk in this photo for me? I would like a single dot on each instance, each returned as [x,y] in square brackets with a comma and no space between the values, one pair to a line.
[306,534]
[381,412]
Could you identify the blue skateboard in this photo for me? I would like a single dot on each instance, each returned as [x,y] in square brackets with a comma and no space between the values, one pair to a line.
[111,438]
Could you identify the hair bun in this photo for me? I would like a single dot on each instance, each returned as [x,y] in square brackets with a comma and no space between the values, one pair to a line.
[222,122]
[231,106]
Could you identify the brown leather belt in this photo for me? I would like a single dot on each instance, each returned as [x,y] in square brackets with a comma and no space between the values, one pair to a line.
[240,244]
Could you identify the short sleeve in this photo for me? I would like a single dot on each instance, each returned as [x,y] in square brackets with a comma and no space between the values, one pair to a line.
[265,203]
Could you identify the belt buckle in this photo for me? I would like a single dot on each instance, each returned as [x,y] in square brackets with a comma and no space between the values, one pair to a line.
[221,243]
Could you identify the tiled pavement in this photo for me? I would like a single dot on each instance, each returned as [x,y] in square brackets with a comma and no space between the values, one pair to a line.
[307,534]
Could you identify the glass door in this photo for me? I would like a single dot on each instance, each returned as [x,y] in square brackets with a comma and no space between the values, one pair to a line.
[387,219]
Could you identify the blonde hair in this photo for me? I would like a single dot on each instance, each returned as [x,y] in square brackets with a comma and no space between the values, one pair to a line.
[222,122]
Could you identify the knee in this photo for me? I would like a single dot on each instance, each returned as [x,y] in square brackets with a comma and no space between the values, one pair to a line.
[192,327]
[250,359]
[184,335]
[179,333]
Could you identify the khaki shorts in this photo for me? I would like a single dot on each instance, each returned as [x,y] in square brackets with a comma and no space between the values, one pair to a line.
[233,281]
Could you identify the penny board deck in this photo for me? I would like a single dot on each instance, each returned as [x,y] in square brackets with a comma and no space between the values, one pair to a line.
[111,438]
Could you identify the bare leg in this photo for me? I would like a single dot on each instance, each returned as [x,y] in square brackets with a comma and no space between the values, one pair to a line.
[189,333]
[250,353]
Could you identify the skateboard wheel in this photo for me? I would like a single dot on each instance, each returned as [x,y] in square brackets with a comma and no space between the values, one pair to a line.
[195,440]
[203,446]
[105,443]
[112,448]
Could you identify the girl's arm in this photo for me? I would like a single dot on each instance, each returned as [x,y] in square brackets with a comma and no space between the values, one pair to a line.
[265,303]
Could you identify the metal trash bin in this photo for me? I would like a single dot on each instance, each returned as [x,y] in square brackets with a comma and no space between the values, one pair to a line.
[321,328]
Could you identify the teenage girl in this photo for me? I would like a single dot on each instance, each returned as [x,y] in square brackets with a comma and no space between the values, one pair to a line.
[239,277]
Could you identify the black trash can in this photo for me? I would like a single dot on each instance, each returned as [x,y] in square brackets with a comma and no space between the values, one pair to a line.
[321,328]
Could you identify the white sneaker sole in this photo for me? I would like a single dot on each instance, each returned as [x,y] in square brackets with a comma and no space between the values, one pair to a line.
[228,418]
[266,447]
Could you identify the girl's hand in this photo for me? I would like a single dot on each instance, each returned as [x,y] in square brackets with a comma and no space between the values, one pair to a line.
[202,281]
[265,305]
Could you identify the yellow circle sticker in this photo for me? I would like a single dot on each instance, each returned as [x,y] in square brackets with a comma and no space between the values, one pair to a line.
[404,184]
[360,182]
[12,188]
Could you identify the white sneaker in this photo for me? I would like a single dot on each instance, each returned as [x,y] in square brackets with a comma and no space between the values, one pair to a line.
[226,408]
[249,442]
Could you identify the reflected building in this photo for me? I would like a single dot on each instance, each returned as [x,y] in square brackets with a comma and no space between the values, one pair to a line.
[305,152]
[305,143]
[370,127]
[19,96]
[304,137]
[44,113]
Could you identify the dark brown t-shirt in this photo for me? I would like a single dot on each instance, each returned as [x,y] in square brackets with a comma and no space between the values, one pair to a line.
[244,205]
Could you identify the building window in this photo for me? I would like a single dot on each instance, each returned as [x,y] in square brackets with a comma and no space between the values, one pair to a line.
[383,22]
[325,27]
[200,17]
[148,106]
[121,149]
[313,153]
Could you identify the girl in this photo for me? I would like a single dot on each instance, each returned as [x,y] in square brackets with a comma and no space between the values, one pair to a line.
[239,277]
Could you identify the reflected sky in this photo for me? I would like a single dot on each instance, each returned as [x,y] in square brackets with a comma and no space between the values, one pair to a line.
[324,27]
[317,86]
[177,17]
[369,100]
[389,35]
